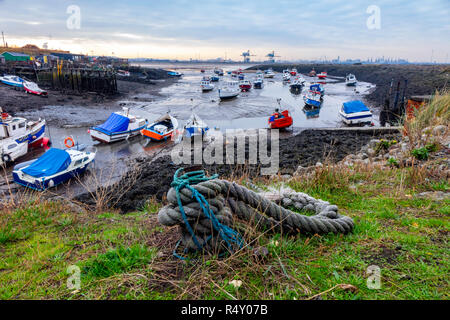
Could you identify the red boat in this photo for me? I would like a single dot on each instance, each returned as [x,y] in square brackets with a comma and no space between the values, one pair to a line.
[245,85]
[294,72]
[280,120]
[322,75]
[312,73]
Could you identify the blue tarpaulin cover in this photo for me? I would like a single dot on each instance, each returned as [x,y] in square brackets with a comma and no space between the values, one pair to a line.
[115,123]
[315,87]
[50,163]
[355,106]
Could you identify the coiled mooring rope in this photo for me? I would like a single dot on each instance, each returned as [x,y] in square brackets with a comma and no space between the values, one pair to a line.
[203,207]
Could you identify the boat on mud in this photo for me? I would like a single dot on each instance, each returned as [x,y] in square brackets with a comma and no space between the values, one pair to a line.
[311,112]
[215,78]
[194,127]
[280,120]
[350,80]
[175,74]
[286,76]
[119,126]
[10,150]
[317,87]
[322,75]
[355,112]
[162,129]
[22,130]
[269,73]
[218,71]
[54,167]
[312,73]
[33,88]
[293,72]
[245,85]
[259,82]
[297,84]
[206,86]
[13,81]
[229,90]
[313,99]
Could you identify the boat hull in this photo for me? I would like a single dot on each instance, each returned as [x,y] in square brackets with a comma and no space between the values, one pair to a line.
[245,87]
[257,85]
[106,137]
[156,136]
[35,136]
[356,118]
[313,103]
[46,183]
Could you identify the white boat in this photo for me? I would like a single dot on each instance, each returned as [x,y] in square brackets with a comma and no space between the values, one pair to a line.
[21,130]
[12,80]
[355,112]
[10,150]
[350,80]
[119,126]
[297,84]
[286,76]
[206,85]
[259,82]
[54,167]
[269,73]
[229,90]
[194,127]
[33,88]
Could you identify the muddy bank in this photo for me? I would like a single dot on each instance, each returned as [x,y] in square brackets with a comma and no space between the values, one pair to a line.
[422,79]
[305,149]
[19,102]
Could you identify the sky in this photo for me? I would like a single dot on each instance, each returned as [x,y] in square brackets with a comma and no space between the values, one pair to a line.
[416,30]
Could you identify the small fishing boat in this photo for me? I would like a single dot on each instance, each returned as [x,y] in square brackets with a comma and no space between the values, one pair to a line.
[206,86]
[218,71]
[33,88]
[312,73]
[322,75]
[123,73]
[175,74]
[194,127]
[162,129]
[245,85]
[286,76]
[22,130]
[202,70]
[269,73]
[229,90]
[311,112]
[280,120]
[215,78]
[14,81]
[350,80]
[119,126]
[294,72]
[10,150]
[297,84]
[313,99]
[258,83]
[317,87]
[54,167]
[355,112]
[241,76]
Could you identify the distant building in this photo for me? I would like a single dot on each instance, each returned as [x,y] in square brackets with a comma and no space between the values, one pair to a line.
[15,56]
[68,56]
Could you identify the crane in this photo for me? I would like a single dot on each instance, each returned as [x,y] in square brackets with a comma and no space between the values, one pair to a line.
[247,56]
[272,56]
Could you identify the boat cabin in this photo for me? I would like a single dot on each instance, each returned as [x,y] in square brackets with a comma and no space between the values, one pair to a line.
[12,127]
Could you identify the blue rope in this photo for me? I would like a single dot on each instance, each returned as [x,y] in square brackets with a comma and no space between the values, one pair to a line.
[227,234]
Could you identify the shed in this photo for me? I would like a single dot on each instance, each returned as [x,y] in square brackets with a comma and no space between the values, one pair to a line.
[15,56]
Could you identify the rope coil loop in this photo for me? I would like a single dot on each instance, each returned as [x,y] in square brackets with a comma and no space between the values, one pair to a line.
[204,206]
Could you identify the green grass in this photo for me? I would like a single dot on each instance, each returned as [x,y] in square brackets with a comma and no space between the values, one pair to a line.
[130,256]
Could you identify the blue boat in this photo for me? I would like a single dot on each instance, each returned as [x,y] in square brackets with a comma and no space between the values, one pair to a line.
[13,81]
[174,74]
[214,78]
[241,77]
[194,127]
[54,167]
[355,112]
[317,88]
[313,99]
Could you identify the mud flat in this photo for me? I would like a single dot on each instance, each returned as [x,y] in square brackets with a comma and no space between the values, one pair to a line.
[305,149]
[422,79]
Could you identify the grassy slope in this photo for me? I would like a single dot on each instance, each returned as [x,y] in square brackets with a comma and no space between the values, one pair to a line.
[130,256]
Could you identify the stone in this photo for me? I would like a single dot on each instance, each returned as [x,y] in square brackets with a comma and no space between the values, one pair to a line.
[371,152]
[319,165]
[439,130]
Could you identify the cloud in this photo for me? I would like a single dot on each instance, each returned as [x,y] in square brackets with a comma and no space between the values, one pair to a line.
[289,26]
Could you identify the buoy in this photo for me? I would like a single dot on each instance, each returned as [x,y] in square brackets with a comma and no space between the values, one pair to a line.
[67,140]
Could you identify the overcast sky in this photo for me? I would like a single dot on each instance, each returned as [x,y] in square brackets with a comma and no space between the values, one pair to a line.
[186,29]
